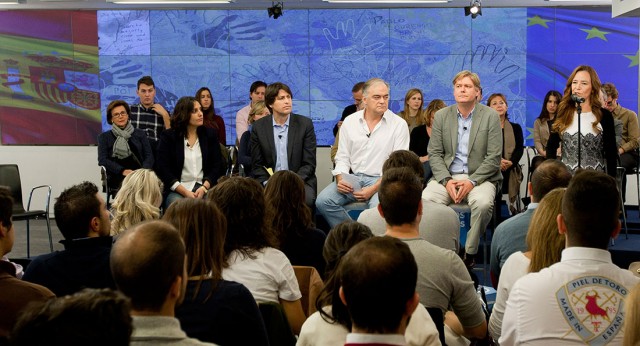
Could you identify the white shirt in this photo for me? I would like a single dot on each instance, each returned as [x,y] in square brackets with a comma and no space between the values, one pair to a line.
[364,152]
[387,339]
[242,121]
[515,267]
[575,301]
[269,277]
[192,168]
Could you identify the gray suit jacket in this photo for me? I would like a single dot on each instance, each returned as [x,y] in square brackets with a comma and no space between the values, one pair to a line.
[301,148]
[485,144]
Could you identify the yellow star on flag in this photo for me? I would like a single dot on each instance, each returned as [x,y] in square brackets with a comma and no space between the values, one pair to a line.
[536,20]
[633,58]
[594,32]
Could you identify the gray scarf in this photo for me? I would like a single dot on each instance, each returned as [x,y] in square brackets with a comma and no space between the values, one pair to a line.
[121,148]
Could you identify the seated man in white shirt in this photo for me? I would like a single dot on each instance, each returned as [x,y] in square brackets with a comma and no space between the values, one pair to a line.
[580,299]
[367,138]
[378,267]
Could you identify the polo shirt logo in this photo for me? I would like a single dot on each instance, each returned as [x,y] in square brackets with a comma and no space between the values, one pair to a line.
[593,308]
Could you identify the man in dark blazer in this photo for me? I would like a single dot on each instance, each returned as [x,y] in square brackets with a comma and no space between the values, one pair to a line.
[464,152]
[284,141]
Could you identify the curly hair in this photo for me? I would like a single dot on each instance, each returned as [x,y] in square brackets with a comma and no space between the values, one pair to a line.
[137,200]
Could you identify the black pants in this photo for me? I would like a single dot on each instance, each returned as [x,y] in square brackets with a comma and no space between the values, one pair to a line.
[629,161]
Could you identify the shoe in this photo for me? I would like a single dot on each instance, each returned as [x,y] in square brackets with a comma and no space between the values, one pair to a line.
[469,261]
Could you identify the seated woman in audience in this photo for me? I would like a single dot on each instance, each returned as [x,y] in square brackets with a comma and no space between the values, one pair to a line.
[413,113]
[542,128]
[123,149]
[419,139]
[632,318]
[250,248]
[258,111]
[189,158]
[545,247]
[138,200]
[214,310]
[512,149]
[331,323]
[290,218]
[211,119]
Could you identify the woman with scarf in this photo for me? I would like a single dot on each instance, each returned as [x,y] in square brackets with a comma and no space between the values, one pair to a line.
[123,149]
[512,149]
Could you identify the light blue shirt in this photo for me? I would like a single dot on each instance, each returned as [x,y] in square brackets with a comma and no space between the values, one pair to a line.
[459,164]
[280,136]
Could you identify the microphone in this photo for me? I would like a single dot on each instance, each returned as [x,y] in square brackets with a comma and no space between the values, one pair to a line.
[280,136]
[464,128]
[368,134]
[576,98]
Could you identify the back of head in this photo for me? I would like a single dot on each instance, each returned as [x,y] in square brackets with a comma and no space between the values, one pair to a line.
[138,200]
[549,175]
[89,317]
[590,208]
[404,158]
[203,228]
[287,211]
[145,262]
[543,239]
[341,238]
[74,209]
[6,207]
[378,277]
[400,196]
[242,201]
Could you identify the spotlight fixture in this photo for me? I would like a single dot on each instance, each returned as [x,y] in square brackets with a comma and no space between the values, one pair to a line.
[276,9]
[474,9]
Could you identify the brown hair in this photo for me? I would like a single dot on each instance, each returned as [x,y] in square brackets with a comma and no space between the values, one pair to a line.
[566,107]
[504,98]
[421,116]
[182,114]
[115,104]
[203,228]
[433,106]
[543,239]
[272,92]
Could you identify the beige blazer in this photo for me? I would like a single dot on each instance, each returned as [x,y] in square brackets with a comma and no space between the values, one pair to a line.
[485,144]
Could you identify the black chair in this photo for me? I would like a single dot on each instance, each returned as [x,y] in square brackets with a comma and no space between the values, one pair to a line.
[10,177]
[109,190]
[438,320]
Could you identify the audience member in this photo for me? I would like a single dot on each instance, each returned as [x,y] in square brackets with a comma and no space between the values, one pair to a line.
[577,300]
[15,294]
[91,316]
[510,235]
[366,140]
[292,222]
[258,111]
[284,141]
[214,310]
[512,150]
[356,93]
[256,93]
[211,119]
[375,268]
[331,323]
[464,153]
[334,148]
[250,249]
[148,263]
[123,149]
[542,126]
[544,245]
[632,318]
[628,149]
[149,116]
[413,112]
[138,200]
[419,138]
[443,280]
[82,217]
[598,145]
[440,225]
[189,154]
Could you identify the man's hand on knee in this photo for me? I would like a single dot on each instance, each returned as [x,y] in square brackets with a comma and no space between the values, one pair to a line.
[365,194]
[344,187]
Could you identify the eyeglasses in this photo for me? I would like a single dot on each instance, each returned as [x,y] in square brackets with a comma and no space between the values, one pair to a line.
[118,115]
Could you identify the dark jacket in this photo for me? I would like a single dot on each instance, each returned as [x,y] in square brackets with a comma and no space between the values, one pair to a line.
[140,147]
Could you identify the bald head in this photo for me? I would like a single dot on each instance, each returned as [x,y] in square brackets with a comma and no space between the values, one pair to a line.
[145,261]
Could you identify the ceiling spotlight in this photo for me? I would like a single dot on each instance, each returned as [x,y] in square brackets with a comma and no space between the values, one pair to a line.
[275,10]
[474,9]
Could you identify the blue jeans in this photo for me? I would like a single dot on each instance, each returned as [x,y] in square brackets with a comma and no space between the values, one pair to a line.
[330,202]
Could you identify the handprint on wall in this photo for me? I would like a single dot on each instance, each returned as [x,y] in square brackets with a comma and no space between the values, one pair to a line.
[349,43]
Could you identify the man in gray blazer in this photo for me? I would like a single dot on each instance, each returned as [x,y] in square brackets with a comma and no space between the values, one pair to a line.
[464,152]
[284,141]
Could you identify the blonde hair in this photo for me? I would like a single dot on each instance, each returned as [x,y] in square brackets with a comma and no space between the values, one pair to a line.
[465,73]
[421,116]
[137,200]
[632,318]
[257,108]
[543,239]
